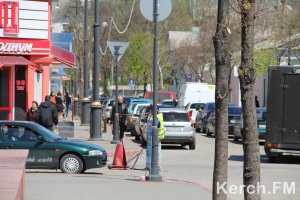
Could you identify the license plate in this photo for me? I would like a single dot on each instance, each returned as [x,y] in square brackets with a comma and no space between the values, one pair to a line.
[172,129]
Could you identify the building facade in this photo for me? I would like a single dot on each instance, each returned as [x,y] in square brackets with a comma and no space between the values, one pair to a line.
[26,54]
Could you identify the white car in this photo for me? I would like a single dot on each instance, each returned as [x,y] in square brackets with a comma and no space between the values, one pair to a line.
[178,127]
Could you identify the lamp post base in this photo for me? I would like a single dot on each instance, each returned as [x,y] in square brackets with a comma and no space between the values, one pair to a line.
[95,130]
[154,178]
[85,111]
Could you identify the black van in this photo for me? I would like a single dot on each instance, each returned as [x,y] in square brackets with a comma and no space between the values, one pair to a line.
[283,112]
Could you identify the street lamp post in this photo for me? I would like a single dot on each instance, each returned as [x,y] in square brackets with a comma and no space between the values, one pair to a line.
[116,125]
[85,101]
[155,171]
[95,129]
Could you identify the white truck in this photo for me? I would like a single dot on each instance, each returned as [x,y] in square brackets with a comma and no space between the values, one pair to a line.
[195,92]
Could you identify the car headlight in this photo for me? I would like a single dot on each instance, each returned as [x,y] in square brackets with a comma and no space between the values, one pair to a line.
[95,153]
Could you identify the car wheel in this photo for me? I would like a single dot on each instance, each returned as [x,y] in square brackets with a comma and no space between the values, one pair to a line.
[272,157]
[192,146]
[137,138]
[71,164]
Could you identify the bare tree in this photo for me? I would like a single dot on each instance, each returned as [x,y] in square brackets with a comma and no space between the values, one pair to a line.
[222,58]
[251,173]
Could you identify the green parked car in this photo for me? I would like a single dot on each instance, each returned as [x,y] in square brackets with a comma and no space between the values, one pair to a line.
[48,150]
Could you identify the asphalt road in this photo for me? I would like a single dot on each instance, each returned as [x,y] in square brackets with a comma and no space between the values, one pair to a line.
[187,175]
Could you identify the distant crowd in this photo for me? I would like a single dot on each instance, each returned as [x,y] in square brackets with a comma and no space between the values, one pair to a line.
[48,113]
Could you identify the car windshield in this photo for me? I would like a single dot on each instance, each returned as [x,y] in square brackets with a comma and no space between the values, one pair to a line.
[168,102]
[132,108]
[47,133]
[111,103]
[197,105]
[234,110]
[139,108]
[210,106]
[261,115]
[175,117]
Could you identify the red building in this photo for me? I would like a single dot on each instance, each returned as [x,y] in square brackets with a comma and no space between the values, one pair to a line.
[26,55]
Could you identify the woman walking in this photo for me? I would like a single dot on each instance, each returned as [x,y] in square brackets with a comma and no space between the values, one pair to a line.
[32,114]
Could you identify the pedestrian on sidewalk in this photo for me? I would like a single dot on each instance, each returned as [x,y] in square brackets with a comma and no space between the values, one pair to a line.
[32,114]
[68,102]
[257,104]
[122,110]
[59,105]
[53,97]
[47,114]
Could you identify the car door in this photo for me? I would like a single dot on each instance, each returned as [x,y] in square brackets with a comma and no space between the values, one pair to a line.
[41,153]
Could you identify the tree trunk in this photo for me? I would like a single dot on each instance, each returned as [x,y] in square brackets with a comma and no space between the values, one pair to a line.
[222,57]
[251,173]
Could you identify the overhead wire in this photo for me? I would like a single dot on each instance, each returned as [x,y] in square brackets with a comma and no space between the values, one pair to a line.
[128,23]
[112,23]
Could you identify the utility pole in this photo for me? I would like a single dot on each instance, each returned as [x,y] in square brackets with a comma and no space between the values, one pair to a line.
[155,172]
[116,125]
[85,101]
[95,129]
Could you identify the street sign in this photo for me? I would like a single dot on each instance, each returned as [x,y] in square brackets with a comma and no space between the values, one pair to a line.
[117,48]
[164,9]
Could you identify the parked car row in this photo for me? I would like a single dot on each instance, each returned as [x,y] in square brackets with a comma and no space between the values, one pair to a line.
[205,121]
[177,123]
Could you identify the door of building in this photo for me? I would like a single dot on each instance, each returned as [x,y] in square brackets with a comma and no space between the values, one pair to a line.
[5,93]
[20,92]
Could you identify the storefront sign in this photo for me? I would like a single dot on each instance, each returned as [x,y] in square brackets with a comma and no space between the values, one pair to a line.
[20,85]
[9,16]
[15,48]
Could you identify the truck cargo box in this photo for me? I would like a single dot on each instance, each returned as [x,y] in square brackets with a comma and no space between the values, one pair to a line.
[283,111]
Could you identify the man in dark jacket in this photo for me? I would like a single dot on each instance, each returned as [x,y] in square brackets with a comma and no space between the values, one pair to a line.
[47,113]
[122,110]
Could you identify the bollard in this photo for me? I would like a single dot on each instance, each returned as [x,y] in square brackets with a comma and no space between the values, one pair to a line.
[104,120]
[85,111]
[76,107]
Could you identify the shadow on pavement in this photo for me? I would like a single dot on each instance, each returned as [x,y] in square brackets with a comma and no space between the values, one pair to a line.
[43,172]
[264,159]
[59,172]
[173,147]
[240,142]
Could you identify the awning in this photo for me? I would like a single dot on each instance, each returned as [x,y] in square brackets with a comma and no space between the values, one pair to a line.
[14,60]
[58,56]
